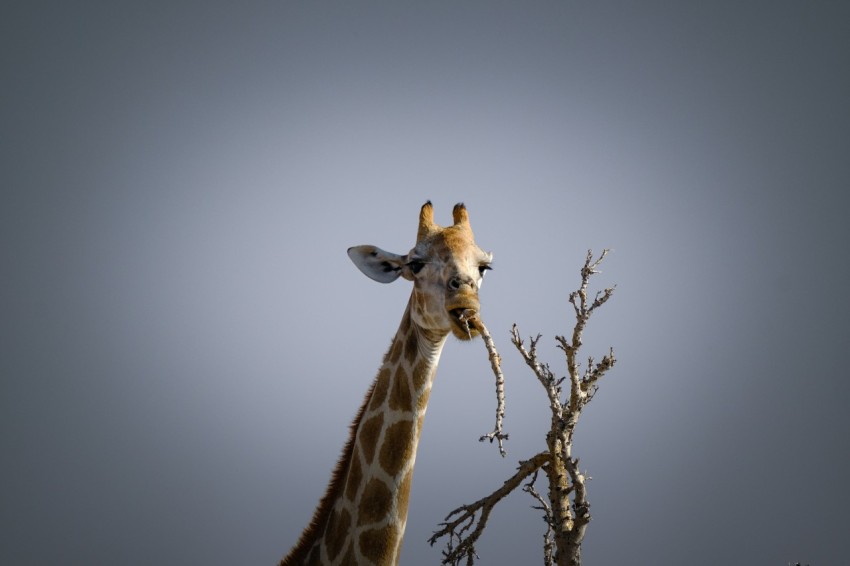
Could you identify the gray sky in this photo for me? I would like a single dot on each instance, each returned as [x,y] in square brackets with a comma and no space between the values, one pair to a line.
[183,340]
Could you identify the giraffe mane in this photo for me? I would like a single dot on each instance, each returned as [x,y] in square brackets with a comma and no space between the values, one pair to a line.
[302,548]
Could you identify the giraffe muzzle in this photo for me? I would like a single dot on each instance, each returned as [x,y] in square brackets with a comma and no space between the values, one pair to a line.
[460,317]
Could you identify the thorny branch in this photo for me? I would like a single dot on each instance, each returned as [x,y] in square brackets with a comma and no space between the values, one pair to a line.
[567,511]
[458,523]
[472,318]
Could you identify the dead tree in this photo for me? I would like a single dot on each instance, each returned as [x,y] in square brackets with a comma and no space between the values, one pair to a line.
[564,504]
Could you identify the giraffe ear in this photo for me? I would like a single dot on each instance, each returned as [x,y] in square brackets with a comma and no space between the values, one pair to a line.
[383,267]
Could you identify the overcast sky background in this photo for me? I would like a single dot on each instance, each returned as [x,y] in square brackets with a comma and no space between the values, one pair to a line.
[183,340]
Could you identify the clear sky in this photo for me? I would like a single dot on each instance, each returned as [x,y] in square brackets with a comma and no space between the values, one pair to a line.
[183,340]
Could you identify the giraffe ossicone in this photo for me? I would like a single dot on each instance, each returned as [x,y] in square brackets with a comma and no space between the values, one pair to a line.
[360,519]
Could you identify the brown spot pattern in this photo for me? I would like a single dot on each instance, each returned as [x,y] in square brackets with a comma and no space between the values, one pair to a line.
[411,347]
[395,351]
[336,534]
[405,323]
[375,503]
[369,432]
[355,476]
[379,393]
[349,559]
[422,402]
[420,375]
[400,396]
[397,447]
[378,545]
[403,497]
[315,557]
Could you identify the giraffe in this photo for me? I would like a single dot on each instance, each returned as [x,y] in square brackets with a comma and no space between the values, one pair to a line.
[360,520]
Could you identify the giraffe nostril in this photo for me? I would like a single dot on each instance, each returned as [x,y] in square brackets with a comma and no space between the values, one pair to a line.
[459,281]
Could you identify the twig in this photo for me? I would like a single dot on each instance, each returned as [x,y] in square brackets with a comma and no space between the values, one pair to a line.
[464,516]
[471,318]
[541,371]
[548,540]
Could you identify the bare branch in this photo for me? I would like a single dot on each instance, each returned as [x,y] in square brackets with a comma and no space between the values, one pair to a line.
[548,540]
[601,298]
[594,372]
[471,318]
[530,355]
[464,516]
[541,371]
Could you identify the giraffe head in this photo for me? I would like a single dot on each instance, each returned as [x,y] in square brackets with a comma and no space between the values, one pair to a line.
[445,266]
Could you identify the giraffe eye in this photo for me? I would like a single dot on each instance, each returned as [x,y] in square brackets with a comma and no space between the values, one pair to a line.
[483,268]
[415,266]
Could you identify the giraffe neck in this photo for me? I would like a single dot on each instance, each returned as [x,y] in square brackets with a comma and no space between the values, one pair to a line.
[361,518]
